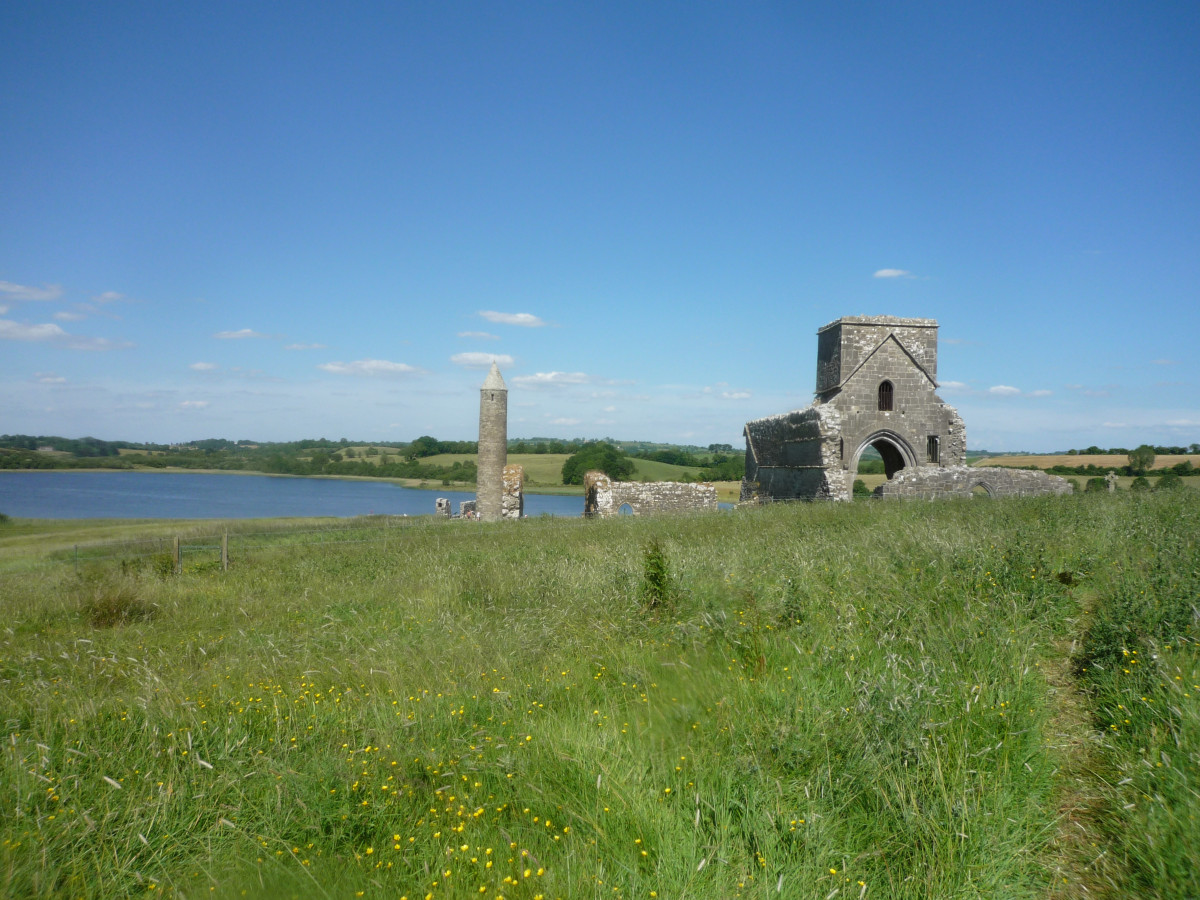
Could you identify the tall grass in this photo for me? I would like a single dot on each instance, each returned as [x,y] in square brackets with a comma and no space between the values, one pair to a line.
[869,699]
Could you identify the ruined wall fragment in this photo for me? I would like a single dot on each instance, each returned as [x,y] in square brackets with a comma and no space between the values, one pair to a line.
[512,500]
[928,483]
[604,497]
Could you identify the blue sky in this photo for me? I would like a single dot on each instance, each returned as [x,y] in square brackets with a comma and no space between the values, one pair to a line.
[276,221]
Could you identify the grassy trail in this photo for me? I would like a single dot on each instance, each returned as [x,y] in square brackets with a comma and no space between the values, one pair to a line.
[875,699]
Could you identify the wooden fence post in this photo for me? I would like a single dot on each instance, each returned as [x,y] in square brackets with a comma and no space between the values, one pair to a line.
[225,552]
[178,557]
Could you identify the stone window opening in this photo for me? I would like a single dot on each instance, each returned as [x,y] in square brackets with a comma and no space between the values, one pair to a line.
[885,396]
[931,448]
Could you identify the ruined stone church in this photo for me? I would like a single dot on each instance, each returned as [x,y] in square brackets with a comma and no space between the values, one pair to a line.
[876,387]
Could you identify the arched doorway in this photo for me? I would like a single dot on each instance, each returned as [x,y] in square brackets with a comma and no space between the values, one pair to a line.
[981,491]
[894,450]
[625,510]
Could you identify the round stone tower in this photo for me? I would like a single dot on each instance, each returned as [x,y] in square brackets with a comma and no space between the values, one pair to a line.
[493,446]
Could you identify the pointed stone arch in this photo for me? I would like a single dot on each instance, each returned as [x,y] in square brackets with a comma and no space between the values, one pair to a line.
[982,490]
[897,453]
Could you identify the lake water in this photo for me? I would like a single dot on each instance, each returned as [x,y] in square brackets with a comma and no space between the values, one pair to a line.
[172,495]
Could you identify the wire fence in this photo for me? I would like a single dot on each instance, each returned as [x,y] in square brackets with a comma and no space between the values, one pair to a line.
[196,549]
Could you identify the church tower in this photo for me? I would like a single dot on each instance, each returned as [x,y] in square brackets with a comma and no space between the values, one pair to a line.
[493,446]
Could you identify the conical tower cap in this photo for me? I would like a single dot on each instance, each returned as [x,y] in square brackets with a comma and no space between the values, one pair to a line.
[494,382]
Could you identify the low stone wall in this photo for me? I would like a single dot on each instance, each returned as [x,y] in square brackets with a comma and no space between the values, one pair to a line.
[442,507]
[466,509]
[930,482]
[604,497]
[512,500]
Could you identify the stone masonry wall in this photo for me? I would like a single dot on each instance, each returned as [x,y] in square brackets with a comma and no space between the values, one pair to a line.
[604,497]
[512,501]
[795,455]
[960,481]
[843,344]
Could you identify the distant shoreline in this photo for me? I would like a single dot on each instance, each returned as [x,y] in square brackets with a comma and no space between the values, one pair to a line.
[566,490]
[727,491]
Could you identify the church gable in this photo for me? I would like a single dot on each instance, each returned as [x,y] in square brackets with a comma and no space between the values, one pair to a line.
[890,362]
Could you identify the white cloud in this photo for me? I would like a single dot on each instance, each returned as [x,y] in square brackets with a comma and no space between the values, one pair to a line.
[49,378]
[1004,390]
[368,367]
[194,404]
[481,360]
[24,292]
[565,421]
[1183,423]
[3,310]
[610,409]
[1041,392]
[952,386]
[69,316]
[109,297]
[479,335]
[50,333]
[893,273]
[735,395]
[545,379]
[203,366]
[238,335]
[15,331]
[525,320]
[304,347]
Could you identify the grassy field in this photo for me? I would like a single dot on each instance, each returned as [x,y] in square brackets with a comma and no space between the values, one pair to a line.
[955,699]
[1058,459]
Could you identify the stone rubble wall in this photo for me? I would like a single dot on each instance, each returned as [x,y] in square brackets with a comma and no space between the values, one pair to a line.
[928,482]
[441,507]
[466,509]
[512,500]
[604,497]
[795,455]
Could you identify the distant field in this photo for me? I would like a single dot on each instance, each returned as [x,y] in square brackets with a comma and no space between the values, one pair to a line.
[1055,459]
[546,468]
[648,470]
[540,468]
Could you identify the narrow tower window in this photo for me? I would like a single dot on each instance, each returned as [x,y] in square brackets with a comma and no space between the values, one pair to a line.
[931,448]
[885,397]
